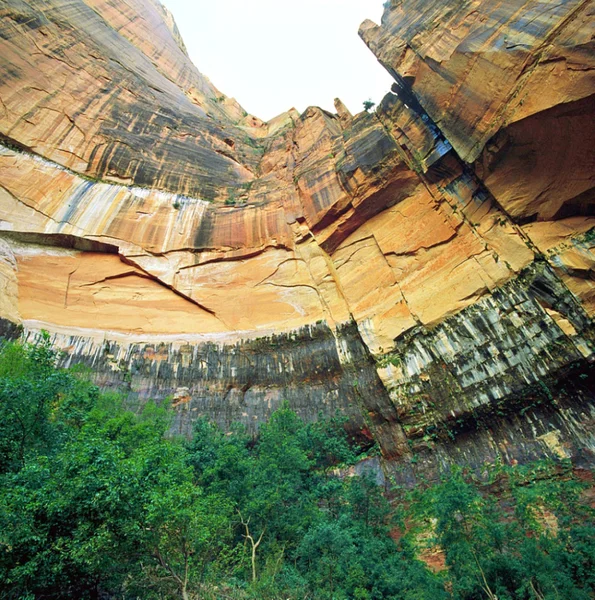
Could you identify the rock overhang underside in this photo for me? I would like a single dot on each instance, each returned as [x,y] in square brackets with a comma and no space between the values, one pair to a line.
[426,269]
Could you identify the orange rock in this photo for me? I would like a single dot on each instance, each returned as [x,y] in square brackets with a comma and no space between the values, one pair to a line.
[137,200]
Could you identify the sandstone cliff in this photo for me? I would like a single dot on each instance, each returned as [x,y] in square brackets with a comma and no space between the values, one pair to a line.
[427,269]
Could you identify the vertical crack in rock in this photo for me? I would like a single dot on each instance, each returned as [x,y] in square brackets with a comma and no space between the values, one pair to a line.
[68,286]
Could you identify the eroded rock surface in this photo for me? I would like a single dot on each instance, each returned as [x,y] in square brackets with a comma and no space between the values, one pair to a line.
[427,269]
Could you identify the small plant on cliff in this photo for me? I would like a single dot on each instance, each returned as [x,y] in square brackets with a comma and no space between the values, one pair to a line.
[231,199]
[369,105]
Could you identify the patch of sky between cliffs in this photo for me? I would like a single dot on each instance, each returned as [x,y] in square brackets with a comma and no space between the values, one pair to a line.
[272,56]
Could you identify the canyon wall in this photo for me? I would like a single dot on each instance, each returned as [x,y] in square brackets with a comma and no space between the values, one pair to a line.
[426,269]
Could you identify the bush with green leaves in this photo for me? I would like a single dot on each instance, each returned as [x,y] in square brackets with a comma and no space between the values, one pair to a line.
[533,540]
[368,105]
[98,501]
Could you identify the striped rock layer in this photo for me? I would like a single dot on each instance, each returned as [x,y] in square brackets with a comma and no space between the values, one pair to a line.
[427,269]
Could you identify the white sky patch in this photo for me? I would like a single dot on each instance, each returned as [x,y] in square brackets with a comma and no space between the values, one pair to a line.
[272,56]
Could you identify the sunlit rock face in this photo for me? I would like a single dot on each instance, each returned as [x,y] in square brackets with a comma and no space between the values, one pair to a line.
[427,269]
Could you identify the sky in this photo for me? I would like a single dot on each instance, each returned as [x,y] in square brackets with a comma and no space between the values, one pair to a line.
[271,56]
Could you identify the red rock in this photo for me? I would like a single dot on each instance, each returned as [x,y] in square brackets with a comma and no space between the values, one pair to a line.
[192,218]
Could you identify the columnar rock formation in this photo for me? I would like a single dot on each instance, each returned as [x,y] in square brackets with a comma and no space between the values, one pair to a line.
[427,269]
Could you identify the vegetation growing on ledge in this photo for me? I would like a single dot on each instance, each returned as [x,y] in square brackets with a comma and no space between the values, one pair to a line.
[97,501]
[368,105]
[523,533]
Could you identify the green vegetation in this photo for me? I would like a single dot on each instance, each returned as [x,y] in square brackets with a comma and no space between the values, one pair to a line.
[368,105]
[524,535]
[97,501]
[389,359]
[232,199]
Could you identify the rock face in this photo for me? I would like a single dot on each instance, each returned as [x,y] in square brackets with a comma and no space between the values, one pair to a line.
[427,270]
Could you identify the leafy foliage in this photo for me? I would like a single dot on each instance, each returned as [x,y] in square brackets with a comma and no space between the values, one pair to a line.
[536,542]
[368,105]
[97,501]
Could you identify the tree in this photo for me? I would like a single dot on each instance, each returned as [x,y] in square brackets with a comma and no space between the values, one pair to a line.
[185,531]
[29,388]
[327,553]
[536,553]
[97,501]
[368,105]
[254,543]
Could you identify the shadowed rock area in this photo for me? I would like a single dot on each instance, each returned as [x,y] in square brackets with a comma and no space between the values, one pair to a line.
[426,270]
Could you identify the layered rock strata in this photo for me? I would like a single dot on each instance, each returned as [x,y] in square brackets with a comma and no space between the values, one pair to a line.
[427,269]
